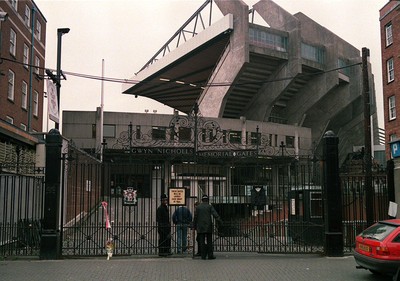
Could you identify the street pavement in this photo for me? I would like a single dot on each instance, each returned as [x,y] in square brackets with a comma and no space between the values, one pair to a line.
[227,266]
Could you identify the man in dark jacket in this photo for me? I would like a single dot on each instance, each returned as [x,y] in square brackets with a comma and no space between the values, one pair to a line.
[164,228]
[204,226]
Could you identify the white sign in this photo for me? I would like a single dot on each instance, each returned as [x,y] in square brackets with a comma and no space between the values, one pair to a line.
[52,105]
[392,209]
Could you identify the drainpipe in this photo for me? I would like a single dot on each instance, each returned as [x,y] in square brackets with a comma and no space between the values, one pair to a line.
[30,70]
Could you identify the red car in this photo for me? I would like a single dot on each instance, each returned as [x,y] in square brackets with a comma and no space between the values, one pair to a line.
[378,247]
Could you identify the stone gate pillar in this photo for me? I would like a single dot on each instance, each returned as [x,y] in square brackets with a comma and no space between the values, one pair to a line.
[333,197]
[50,237]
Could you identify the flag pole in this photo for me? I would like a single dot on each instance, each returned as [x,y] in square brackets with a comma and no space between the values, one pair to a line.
[102,111]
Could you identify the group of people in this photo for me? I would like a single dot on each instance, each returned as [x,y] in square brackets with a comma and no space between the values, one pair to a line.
[182,218]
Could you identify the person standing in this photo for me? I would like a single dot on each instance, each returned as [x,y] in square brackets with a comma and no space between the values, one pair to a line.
[182,218]
[163,227]
[197,236]
[204,226]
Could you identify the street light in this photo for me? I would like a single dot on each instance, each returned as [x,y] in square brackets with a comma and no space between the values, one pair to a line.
[3,17]
[60,33]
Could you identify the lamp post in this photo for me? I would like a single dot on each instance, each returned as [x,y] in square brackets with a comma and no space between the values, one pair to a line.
[3,17]
[60,33]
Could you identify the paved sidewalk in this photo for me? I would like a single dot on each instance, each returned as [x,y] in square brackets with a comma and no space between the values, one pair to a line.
[227,266]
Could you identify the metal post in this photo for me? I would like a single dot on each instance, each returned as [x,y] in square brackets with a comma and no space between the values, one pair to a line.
[333,197]
[390,180]
[60,33]
[196,111]
[30,99]
[369,192]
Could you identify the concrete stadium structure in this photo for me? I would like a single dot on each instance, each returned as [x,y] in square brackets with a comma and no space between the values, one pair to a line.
[291,71]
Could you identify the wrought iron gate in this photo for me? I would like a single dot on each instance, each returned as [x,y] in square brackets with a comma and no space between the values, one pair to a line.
[266,206]
[21,210]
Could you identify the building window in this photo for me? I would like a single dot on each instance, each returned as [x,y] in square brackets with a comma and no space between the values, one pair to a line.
[390,70]
[27,16]
[389,34]
[24,97]
[11,82]
[23,126]
[255,138]
[93,131]
[138,132]
[38,31]
[26,56]
[312,53]
[14,4]
[109,131]
[343,67]
[392,137]
[35,103]
[392,107]
[217,188]
[9,119]
[37,64]
[315,204]
[289,142]
[184,134]
[235,137]
[159,133]
[13,42]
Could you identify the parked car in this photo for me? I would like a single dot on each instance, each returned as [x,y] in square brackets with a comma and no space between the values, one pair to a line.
[378,247]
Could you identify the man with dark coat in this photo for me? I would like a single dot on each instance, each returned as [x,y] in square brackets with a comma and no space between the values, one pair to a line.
[204,226]
[164,228]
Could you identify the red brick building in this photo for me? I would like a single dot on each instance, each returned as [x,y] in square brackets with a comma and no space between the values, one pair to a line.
[23,41]
[390,47]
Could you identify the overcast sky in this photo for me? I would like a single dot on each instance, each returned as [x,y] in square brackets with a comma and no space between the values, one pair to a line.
[127,33]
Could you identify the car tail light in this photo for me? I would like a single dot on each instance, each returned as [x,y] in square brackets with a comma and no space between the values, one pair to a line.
[382,251]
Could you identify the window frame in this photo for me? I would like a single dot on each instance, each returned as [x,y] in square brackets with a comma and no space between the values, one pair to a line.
[235,137]
[14,4]
[37,65]
[25,59]
[11,85]
[159,133]
[316,211]
[24,96]
[290,141]
[27,16]
[38,30]
[185,134]
[10,120]
[109,130]
[390,70]
[35,100]
[392,107]
[389,34]
[13,42]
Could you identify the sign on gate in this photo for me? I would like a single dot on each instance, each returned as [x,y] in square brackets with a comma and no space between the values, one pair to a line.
[130,197]
[177,196]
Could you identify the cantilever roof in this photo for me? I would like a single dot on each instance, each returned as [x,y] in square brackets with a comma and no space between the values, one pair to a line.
[177,79]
